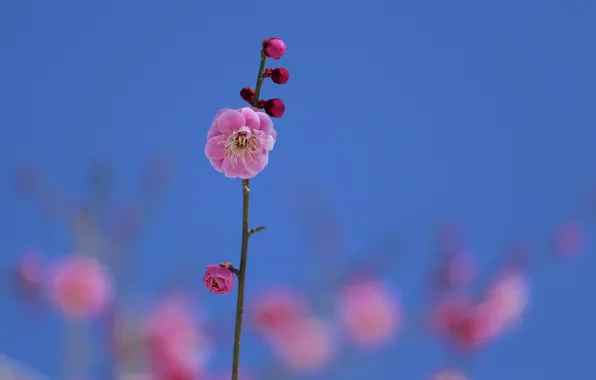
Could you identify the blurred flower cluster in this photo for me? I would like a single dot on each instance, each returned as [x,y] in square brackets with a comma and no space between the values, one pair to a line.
[351,303]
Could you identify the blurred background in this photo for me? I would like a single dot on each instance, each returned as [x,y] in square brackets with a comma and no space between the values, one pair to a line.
[430,202]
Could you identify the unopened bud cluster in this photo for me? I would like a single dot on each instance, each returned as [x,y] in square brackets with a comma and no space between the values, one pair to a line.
[273,48]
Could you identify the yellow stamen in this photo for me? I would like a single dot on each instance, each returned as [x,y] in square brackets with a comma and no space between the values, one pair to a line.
[239,146]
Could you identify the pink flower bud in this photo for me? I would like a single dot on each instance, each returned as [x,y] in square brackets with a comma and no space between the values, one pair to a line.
[274,47]
[219,280]
[275,107]
[248,94]
[280,75]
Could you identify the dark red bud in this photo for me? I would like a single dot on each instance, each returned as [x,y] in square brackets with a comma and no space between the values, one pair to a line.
[261,104]
[280,75]
[275,107]
[248,94]
[267,73]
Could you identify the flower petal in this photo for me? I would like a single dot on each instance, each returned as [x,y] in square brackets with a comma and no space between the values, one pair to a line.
[234,171]
[252,120]
[254,166]
[217,164]
[265,123]
[215,148]
[229,121]
[213,131]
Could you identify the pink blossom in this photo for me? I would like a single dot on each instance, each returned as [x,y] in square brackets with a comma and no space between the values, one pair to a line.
[175,343]
[445,310]
[274,312]
[304,346]
[274,47]
[370,312]
[80,287]
[239,141]
[467,324]
[569,239]
[219,280]
[473,327]
[508,298]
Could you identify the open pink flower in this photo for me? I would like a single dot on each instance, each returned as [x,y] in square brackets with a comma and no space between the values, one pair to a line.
[239,141]
[80,287]
[219,280]
[445,310]
[467,324]
[272,313]
[306,345]
[176,345]
[370,312]
[473,327]
[508,297]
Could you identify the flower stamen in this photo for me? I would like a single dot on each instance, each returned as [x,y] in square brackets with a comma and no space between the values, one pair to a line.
[239,146]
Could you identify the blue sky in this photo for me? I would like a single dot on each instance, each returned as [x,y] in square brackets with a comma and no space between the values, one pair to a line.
[405,113]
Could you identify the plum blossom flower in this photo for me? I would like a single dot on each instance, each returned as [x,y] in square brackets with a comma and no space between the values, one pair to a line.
[239,141]
[370,312]
[80,287]
[219,280]
[272,313]
[176,345]
[306,345]
[467,324]
[508,298]
[473,327]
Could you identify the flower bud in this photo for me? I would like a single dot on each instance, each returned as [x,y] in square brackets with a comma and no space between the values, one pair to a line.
[280,75]
[267,73]
[274,47]
[275,107]
[219,279]
[248,94]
